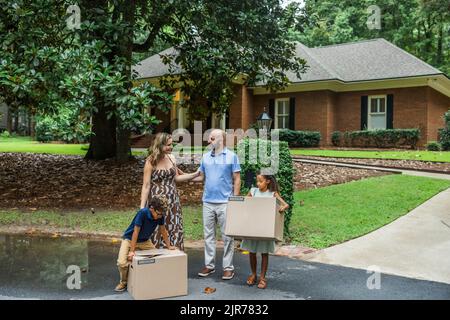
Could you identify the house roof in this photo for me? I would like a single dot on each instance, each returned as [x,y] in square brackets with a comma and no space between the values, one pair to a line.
[154,67]
[349,62]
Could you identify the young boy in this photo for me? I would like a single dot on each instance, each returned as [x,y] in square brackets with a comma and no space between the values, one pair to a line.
[137,236]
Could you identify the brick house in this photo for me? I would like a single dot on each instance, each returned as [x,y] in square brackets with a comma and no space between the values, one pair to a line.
[363,85]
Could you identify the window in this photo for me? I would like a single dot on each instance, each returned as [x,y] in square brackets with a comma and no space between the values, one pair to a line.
[377,112]
[282,114]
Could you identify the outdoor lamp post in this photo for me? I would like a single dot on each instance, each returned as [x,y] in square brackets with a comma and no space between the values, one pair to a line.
[264,121]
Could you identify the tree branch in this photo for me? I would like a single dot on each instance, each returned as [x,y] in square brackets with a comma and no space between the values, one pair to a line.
[147,44]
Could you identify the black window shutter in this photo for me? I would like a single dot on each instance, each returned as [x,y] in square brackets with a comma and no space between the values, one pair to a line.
[364,102]
[272,111]
[292,113]
[390,112]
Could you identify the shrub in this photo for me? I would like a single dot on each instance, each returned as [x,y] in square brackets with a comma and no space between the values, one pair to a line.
[251,163]
[45,128]
[444,134]
[389,138]
[433,146]
[65,126]
[300,138]
[336,138]
[5,134]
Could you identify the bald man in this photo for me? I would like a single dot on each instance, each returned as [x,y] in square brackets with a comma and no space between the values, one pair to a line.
[220,169]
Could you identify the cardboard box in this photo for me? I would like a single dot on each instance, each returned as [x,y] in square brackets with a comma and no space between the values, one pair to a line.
[254,218]
[158,273]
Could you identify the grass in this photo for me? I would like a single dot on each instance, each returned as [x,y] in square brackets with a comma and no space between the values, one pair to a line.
[329,216]
[338,213]
[104,221]
[435,156]
[26,144]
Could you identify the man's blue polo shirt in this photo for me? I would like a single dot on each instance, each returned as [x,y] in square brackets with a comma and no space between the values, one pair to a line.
[143,219]
[218,170]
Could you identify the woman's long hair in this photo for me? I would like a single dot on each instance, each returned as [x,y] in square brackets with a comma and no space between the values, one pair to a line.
[273,185]
[155,151]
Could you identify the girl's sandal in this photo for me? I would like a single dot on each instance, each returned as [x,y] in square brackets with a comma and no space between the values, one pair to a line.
[251,280]
[262,283]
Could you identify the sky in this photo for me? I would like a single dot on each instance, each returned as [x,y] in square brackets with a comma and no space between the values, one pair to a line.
[286,2]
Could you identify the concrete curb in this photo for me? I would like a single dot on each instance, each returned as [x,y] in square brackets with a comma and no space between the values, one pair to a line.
[291,251]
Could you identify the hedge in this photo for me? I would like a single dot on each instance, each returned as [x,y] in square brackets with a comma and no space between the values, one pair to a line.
[389,138]
[251,163]
[298,139]
[433,146]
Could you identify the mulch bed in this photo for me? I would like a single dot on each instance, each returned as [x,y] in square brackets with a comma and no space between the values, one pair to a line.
[443,167]
[43,181]
[309,176]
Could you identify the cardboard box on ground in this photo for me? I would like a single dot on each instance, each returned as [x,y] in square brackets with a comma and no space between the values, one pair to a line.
[158,273]
[254,218]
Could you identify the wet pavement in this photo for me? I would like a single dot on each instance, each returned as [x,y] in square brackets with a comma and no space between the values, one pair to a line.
[36,268]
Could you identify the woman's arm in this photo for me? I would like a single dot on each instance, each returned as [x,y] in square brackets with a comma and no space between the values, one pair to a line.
[187,176]
[180,175]
[284,205]
[146,183]
[200,177]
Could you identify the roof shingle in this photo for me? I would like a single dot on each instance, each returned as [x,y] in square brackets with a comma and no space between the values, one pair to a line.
[349,62]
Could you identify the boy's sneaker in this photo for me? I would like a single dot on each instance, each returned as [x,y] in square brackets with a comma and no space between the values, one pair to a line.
[206,272]
[120,287]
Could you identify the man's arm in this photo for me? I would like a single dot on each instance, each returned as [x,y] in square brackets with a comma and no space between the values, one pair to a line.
[237,183]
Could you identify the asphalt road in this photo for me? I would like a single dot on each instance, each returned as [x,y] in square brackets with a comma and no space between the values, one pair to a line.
[24,274]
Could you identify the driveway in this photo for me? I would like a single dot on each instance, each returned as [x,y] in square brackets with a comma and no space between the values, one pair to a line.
[416,245]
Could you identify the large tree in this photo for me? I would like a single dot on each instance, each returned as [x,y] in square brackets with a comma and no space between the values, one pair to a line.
[214,41]
[421,27]
[29,56]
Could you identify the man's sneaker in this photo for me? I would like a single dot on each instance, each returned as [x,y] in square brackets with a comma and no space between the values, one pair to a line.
[206,272]
[121,287]
[228,275]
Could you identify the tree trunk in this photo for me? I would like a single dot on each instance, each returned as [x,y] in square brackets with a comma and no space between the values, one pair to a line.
[33,127]
[9,118]
[125,50]
[123,150]
[16,121]
[109,138]
[103,141]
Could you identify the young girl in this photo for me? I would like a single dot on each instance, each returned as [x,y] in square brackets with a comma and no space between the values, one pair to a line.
[267,187]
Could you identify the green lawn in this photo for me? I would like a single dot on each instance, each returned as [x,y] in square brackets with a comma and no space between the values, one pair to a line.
[102,221]
[329,216]
[26,144]
[437,156]
[338,213]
